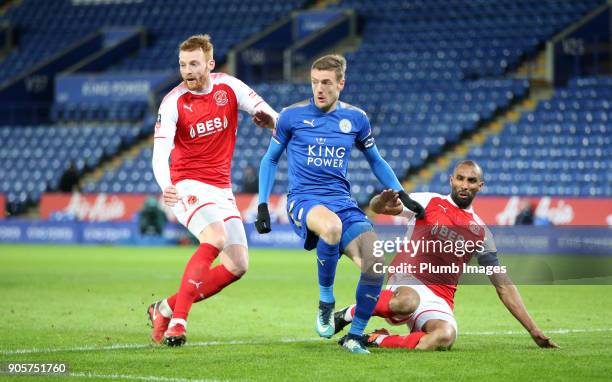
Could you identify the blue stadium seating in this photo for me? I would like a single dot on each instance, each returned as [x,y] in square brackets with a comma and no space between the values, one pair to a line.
[563,148]
[46,27]
[446,39]
[416,74]
[35,157]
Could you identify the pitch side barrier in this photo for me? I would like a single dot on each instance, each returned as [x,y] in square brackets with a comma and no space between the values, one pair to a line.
[493,210]
[525,240]
[89,233]
[535,255]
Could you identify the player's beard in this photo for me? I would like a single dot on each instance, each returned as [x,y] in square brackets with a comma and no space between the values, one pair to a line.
[462,203]
[196,84]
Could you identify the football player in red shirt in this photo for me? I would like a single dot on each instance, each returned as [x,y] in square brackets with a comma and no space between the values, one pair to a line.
[196,129]
[423,277]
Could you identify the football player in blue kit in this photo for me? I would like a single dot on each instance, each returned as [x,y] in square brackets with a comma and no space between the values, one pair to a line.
[318,135]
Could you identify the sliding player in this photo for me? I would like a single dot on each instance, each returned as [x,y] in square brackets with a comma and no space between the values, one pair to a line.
[424,300]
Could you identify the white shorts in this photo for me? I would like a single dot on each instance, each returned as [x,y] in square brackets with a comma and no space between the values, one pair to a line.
[431,307]
[201,204]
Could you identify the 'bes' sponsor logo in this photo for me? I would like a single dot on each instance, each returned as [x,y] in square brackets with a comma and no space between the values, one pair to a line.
[445,233]
[208,127]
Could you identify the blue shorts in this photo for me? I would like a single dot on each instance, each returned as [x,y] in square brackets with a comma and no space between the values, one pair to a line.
[354,221]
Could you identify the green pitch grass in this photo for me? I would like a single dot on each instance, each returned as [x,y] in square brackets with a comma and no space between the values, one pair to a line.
[86,306]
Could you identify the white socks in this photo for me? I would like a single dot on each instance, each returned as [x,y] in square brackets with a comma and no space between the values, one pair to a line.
[175,321]
[164,309]
[347,315]
[380,339]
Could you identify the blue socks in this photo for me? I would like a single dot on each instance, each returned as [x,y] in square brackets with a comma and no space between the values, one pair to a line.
[327,260]
[368,291]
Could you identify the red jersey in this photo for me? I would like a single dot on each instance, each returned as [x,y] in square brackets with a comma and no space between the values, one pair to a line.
[449,237]
[203,127]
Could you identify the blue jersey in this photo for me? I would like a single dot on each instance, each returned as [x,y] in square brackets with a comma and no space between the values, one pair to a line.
[319,147]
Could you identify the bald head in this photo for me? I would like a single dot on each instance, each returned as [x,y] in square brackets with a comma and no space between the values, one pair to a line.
[470,164]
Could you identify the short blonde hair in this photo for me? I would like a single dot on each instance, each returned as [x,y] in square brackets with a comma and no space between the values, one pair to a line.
[198,41]
[334,62]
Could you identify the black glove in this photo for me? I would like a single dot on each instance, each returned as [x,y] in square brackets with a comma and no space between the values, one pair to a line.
[413,206]
[262,223]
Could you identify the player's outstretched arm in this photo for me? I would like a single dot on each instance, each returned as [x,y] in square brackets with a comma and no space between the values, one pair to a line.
[386,203]
[511,298]
[386,176]
[267,174]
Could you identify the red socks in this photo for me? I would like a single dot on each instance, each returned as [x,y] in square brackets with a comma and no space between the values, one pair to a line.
[196,272]
[217,278]
[382,308]
[410,341]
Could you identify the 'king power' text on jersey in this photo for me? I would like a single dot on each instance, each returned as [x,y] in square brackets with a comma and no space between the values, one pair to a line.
[319,147]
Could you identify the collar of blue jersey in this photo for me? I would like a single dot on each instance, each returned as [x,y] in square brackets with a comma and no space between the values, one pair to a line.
[470,209]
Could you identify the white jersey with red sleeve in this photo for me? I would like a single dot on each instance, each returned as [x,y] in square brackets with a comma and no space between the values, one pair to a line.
[200,130]
[444,235]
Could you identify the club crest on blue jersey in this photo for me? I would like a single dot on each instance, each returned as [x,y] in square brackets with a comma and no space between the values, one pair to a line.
[345,126]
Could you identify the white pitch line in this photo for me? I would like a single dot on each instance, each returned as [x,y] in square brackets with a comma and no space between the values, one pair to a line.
[138,377]
[87,348]
[518,332]
[146,346]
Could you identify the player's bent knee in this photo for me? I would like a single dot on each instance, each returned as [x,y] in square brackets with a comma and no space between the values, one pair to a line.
[240,268]
[405,302]
[236,259]
[332,232]
[325,224]
[445,337]
[237,269]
